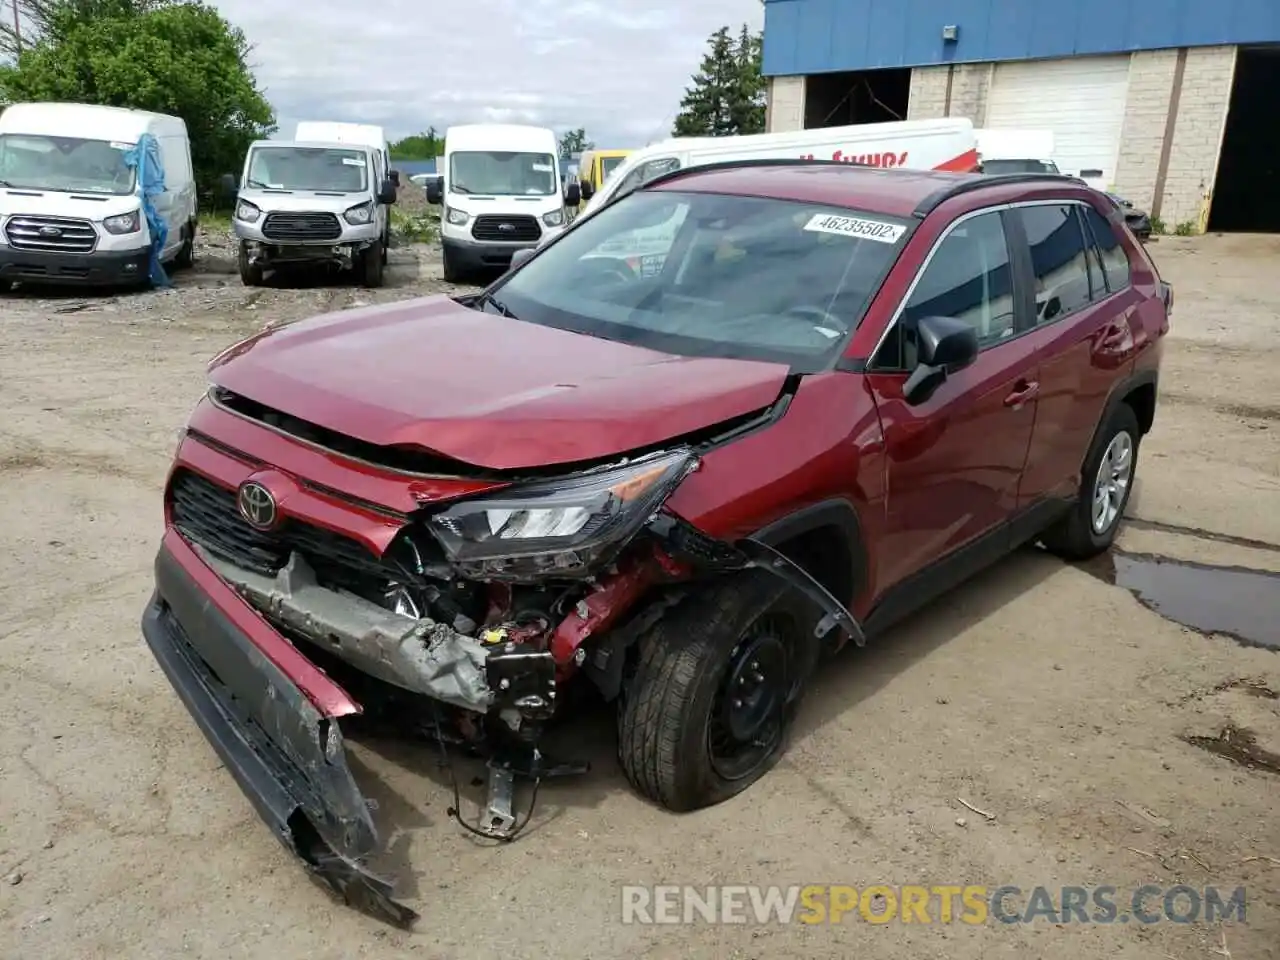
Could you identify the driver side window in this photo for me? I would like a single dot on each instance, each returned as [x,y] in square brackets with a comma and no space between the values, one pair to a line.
[969,278]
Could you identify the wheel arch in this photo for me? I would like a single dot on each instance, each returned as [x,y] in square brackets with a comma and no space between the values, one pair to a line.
[825,540]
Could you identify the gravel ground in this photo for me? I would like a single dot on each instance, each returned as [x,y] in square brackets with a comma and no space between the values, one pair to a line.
[1039,693]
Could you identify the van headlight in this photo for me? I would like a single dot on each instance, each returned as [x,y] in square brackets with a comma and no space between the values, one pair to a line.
[455,216]
[563,527]
[554,218]
[359,214]
[247,212]
[123,223]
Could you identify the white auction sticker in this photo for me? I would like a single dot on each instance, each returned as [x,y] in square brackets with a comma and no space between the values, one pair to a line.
[856,227]
[353,161]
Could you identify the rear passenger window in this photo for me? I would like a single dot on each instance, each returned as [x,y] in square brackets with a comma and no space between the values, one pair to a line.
[1059,260]
[1115,262]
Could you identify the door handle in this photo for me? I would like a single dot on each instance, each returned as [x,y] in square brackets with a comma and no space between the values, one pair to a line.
[1024,390]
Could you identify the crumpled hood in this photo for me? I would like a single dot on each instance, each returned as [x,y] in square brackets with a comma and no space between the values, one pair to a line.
[303,200]
[487,390]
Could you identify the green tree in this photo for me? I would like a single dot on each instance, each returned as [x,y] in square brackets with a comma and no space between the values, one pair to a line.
[574,141]
[52,20]
[176,58]
[426,145]
[726,97]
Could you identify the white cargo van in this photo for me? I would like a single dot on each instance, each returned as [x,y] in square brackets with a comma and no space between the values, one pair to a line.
[948,144]
[73,208]
[501,193]
[311,202]
[363,134]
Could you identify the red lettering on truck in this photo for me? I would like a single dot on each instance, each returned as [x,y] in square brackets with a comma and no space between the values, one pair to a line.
[887,159]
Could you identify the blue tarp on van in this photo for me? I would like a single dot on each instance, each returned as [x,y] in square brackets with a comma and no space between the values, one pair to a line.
[146,158]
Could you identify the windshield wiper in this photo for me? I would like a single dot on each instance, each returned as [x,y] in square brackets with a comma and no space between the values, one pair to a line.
[491,300]
[458,188]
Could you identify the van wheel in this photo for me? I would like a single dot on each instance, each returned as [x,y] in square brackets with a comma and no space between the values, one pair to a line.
[186,257]
[1105,485]
[707,711]
[250,273]
[451,272]
[371,265]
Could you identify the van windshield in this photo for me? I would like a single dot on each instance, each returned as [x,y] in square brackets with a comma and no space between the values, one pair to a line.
[312,169]
[501,173]
[66,164]
[710,275]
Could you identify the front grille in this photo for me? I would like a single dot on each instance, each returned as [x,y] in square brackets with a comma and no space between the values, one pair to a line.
[206,514]
[522,229]
[301,226]
[51,234]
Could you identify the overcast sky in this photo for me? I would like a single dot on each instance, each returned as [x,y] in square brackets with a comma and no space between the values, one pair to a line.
[617,68]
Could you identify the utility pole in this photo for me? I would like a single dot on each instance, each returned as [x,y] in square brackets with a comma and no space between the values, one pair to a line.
[17,29]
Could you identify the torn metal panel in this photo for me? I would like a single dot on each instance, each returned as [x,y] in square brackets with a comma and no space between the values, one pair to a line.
[416,654]
[835,614]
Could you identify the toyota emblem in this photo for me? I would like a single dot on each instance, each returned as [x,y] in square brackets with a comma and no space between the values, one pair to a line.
[257,505]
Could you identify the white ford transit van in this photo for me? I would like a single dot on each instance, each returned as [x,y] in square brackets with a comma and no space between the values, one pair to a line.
[501,193]
[81,204]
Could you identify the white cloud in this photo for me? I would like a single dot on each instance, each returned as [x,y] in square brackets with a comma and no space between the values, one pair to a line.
[616,67]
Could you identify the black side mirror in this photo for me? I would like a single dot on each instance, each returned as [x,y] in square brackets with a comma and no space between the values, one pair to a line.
[227,184]
[572,195]
[387,191]
[945,345]
[435,193]
[395,177]
[587,189]
[522,256]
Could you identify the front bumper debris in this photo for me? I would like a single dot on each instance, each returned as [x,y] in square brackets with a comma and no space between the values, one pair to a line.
[285,751]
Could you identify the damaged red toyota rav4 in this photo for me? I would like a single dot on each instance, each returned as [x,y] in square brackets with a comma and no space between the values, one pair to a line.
[716,430]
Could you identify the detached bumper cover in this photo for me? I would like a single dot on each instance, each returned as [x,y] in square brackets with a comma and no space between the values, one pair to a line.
[282,745]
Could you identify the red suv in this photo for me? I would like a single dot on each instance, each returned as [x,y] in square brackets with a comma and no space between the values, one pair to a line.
[717,429]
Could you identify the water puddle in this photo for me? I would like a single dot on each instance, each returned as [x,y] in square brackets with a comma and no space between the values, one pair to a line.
[1237,602]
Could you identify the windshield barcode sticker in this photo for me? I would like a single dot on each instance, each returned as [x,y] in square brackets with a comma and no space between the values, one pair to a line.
[353,161]
[856,227]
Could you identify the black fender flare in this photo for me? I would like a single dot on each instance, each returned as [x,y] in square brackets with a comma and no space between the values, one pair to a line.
[1120,391]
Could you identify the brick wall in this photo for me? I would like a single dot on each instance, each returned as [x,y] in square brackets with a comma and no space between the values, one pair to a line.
[1142,136]
[969,85]
[1197,136]
[785,109]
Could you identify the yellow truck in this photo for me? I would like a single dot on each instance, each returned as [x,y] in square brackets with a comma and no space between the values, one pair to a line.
[595,166]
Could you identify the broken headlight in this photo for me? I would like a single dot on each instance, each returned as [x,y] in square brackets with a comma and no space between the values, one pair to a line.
[561,527]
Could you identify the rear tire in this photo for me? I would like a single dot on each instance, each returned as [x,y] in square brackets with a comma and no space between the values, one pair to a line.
[250,273]
[1090,527]
[371,266]
[717,681]
[186,257]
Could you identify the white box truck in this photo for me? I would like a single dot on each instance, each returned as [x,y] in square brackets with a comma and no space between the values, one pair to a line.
[73,205]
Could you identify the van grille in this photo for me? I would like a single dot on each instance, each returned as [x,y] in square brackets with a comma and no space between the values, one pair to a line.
[51,234]
[516,229]
[301,226]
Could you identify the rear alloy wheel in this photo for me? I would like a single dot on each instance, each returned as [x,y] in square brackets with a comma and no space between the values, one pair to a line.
[1105,486]
[250,273]
[716,686]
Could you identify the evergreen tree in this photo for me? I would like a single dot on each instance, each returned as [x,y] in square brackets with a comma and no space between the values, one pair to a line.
[727,95]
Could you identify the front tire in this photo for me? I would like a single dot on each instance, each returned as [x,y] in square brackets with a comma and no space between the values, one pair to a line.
[250,273]
[452,273]
[710,704]
[1105,486]
[371,266]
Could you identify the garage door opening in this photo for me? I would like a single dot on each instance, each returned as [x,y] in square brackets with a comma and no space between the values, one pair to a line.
[1244,195]
[858,96]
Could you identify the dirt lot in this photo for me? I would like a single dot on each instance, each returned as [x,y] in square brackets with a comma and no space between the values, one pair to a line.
[1040,693]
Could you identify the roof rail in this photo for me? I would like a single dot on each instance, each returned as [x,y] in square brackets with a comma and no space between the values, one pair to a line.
[747,164]
[981,182]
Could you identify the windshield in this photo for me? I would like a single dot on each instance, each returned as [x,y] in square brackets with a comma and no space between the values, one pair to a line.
[711,275]
[608,165]
[1019,166]
[316,169]
[504,174]
[68,164]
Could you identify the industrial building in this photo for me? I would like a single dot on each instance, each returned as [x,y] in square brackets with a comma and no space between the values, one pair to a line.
[1175,101]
